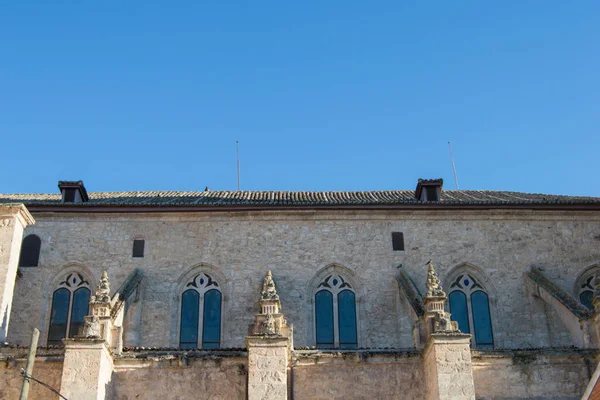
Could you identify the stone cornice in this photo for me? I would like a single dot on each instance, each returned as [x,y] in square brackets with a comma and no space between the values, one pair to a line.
[19,210]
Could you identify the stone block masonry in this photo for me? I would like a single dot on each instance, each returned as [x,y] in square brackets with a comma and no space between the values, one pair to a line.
[267,368]
[296,246]
[13,220]
[448,368]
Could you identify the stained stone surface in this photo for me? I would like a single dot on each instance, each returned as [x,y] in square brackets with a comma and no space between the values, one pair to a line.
[296,246]
[217,379]
[48,371]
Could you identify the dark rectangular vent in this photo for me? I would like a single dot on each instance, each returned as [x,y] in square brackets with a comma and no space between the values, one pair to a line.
[138,248]
[70,195]
[432,193]
[398,241]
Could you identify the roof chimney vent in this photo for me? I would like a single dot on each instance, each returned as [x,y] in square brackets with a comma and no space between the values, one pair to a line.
[73,191]
[429,189]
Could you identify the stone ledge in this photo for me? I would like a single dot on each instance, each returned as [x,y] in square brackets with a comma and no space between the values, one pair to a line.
[542,351]
[18,352]
[168,353]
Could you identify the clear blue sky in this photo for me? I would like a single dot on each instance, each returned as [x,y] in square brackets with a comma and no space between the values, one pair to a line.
[322,95]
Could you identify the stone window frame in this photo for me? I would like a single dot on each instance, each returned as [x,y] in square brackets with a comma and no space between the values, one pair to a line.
[185,278]
[585,281]
[145,251]
[53,284]
[485,285]
[349,276]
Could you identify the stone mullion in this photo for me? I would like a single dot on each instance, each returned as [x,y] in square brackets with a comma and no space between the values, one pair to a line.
[471,319]
[69,310]
[336,321]
[200,318]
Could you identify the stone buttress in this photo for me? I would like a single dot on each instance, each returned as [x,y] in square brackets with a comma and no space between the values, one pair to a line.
[447,354]
[269,346]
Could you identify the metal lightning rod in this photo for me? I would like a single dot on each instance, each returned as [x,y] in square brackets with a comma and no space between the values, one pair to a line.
[237,151]
[453,166]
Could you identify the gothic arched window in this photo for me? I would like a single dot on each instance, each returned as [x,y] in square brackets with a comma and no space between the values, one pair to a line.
[70,303]
[335,313]
[30,251]
[470,307]
[584,286]
[200,313]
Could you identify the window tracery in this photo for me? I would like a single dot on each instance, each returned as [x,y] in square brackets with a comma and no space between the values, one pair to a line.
[70,303]
[335,313]
[201,313]
[469,305]
[584,287]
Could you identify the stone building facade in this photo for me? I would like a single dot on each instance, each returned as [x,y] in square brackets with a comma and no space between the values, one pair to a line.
[423,294]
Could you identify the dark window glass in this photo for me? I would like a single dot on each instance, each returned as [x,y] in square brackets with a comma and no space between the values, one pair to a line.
[347,319]
[398,241]
[138,248]
[432,193]
[188,336]
[70,195]
[30,251]
[324,318]
[211,326]
[458,309]
[481,319]
[81,302]
[58,316]
[586,298]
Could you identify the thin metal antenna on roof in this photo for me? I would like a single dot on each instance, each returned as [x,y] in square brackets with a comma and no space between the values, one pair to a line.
[237,151]
[453,166]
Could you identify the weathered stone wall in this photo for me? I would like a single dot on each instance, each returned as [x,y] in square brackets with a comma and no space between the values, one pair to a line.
[159,377]
[87,370]
[369,376]
[533,374]
[46,369]
[384,374]
[296,246]
[267,368]
[448,367]
[13,220]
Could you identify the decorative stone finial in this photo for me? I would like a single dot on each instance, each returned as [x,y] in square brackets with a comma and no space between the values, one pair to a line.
[91,327]
[434,303]
[103,291]
[270,321]
[268,291]
[268,326]
[434,289]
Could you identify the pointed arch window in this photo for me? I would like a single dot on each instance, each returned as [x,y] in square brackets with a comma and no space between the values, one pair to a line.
[335,314]
[70,303]
[584,287]
[201,304]
[30,251]
[470,307]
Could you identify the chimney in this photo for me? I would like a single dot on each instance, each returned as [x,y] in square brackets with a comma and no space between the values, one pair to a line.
[73,191]
[429,189]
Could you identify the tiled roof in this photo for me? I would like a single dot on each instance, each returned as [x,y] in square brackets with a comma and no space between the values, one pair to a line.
[285,199]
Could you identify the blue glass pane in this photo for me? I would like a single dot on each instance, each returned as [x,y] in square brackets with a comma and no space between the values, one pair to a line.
[347,319]
[81,302]
[586,299]
[324,318]
[458,309]
[188,337]
[211,326]
[481,319]
[58,316]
